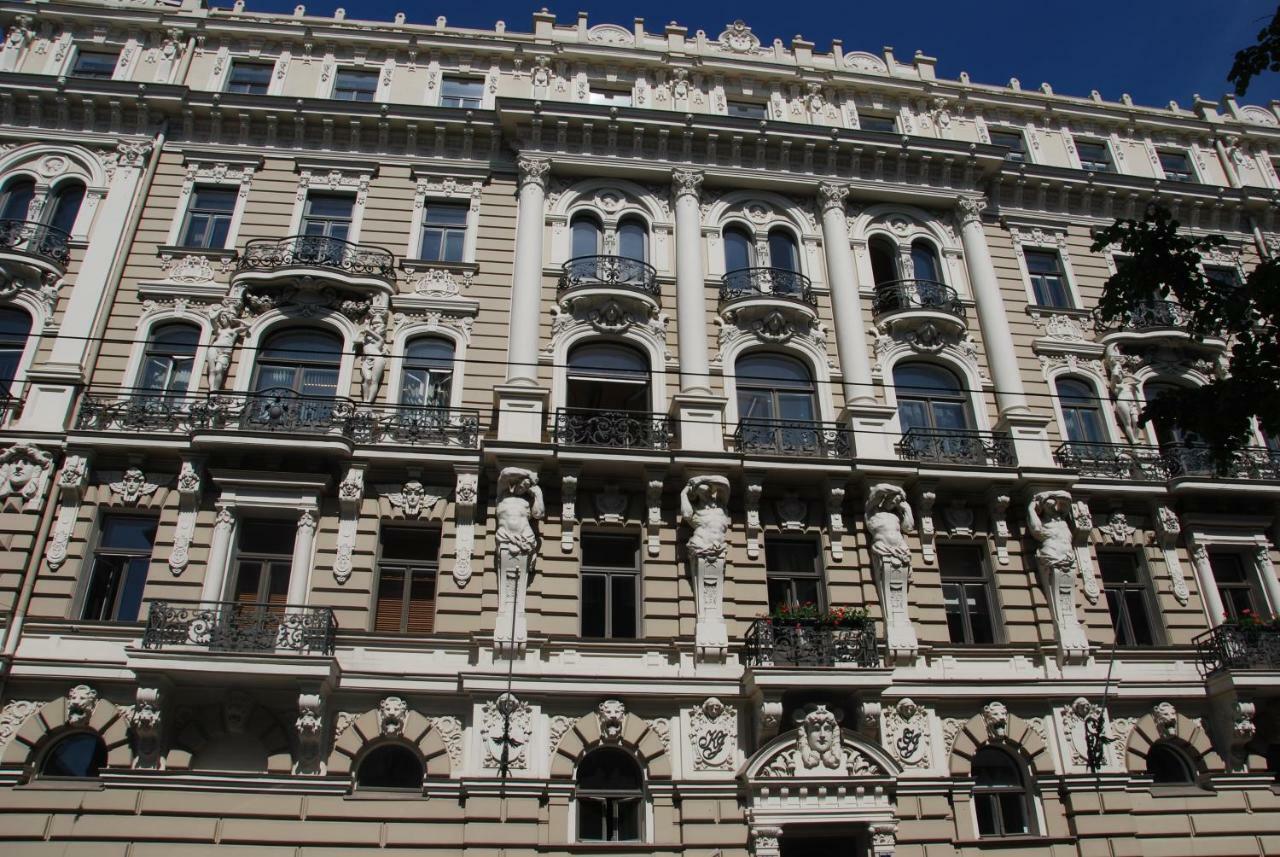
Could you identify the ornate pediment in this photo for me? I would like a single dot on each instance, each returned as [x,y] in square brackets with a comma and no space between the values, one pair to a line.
[816,749]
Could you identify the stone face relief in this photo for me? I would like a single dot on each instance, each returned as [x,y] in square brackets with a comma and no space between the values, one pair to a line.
[612,714]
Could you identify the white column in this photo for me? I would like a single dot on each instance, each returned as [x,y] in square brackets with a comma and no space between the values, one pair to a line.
[215,570]
[842,279]
[1206,581]
[300,570]
[526,287]
[1267,574]
[691,301]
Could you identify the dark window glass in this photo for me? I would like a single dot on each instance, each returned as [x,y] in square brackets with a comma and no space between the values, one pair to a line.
[353,85]
[633,240]
[390,766]
[1093,156]
[999,794]
[428,373]
[15,201]
[610,580]
[607,376]
[444,232]
[1221,275]
[782,251]
[408,564]
[924,261]
[965,594]
[466,92]
[747,109]
[209,218]
[1233,583]
[586,236]
[1048,282]
[774,387]
[170,354]
[610,797]
[1080,411]
[884,260]
[930,398]
[884,124]
[119,570]
[613,97]
[738,250]
[793,573]
[1168,765]
[1176,166]
[328,215]
[15,327]
[99,64]
[80,755]
[64,206]
[251,78]
[1011,140]
[263,560]
[302,360]
[1126,598]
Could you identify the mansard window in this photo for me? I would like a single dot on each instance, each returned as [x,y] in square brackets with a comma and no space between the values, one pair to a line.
[1048,280]
[1176,165]
[1081,411]
[249,78]
[999,794]
[444,232]
[264,556]
[64,206]
[328,215]
[15,199]
[614,97]
[610,586]
[463,92]
[96,64]
[1127,599]
[924,261]
[1234,586]
[966,595]
[208,220]
[747,109]
[168,360]
[586,236]
[1013,141]
[80,755]
[119,570]
[739,249]
[390,766]
[610,797]
[882,123]
[774,387]
[608,376]
[15,327]
[302,360]
[428,373]
[783,253]
[1094,156]
[355,85]
[930,398]
[793,572]
[408,564]
[884,260]
[1168,765]
[633,239]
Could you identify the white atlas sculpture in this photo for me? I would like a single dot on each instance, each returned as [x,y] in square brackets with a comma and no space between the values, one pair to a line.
[889,518]
[1049,520]
[704,507]
[520,503]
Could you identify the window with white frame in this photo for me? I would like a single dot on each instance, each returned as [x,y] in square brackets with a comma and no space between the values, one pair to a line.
[1048,278]
[169,358]
[1235,588]
[966,594]
[1081,411]
[1094,155]
[462,92]
[95,64]
[747,109]
[612,96]
[610,586]
[1000,796]
[15,327]
[444,232]
[118,573]
[878,122]
[1127,598]
[249,78]
[16,198]
[351,84]
[1012,141]
[1176,164]
[609,797]
[208,219]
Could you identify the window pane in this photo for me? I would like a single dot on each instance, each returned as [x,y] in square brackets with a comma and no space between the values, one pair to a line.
[134,534]
[593,605]
[461,92]
[737,250]
[912,414]
[609,551]
[622,603]
[964,561]
[746,109]
[591,820]
[781,593]
[1227,567]
[411,543]
[952,595]
[782,251]
[631,241]
[628,820]
[1139,621]
[1116,606]
[1118,567]
[65,206]
[103,584]
[422,603]
[390,600]
[135,579]
[586,237]
[878,123]
[355,85]
[978,603]
[99,64]
[273,538]
[791,556]
[985,806]
[249,78]
[17,200]
[1013,813]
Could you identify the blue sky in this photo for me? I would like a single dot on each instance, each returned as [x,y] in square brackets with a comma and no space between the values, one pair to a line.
[1155,51]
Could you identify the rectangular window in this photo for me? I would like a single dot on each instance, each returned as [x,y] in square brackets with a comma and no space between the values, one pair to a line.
[354,85]
[965,594]
[1011,140]
[465,92]
[1048,280]
[264,556]
[792,572]
[1126,598]
[444,232]
[613,97]
[1222,275]
[408,563]
[747,109]
[328,215]
[1176,165]
[885,124]
[96,64]
[610,586]
[1093,156]
[119,569]
[1234,587]
[250,78]
[209,218]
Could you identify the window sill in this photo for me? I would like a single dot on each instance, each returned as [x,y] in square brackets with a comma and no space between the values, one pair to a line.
[210,252]
[67,785]
[1016,841]
[1180,791]
[389,794]
[415,265]
[1074,312]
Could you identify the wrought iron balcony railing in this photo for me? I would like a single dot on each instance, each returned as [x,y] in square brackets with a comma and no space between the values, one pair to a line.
[958,446]
[36,239]
[1143,316]
[613,429]
[926,295]
[318,251]
[793,438]
[616,272]
[1234,648]
[766,283]
[228,626]
[1254,462]
[278,410]
[770,643]
[1160,463]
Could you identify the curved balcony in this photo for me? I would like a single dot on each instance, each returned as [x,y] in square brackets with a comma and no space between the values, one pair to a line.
[793,439]
[37,245]
[1162,463]
[1244,647]
[957,446]
[753,293]
[1149,321]
[612,429]
[233,626]
[598,279]
[772,643]
[361,266]
[914,303]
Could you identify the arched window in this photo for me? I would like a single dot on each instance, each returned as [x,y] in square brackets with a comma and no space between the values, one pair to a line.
[930,398]
[783,254]
[170,354]
[774,387]
[608,376]
[1168,765]
[999,794]
[64,206]
[303,360]
[586,233]
[390,766]
[633,239]
[15,199]
[15,326]
[427,380]
[924,261]
[80,754]
[1081,412]
[610,797]
[884,260]
[739,251]
[1167,433]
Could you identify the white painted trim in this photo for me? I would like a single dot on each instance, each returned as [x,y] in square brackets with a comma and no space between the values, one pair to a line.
[212,172]
[1045,238]
[461,188]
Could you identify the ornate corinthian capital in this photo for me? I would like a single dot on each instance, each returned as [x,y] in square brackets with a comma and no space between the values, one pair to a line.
[832,195]
[686,182]
[970,208]
[534,170]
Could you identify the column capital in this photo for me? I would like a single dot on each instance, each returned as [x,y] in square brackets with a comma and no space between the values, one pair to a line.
[832,195]
[536,170]
[969,209]
[687,182]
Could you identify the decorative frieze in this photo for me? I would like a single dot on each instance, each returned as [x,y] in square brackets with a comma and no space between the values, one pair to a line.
[907,733]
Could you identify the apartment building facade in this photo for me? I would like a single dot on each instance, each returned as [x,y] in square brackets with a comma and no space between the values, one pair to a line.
[609,440]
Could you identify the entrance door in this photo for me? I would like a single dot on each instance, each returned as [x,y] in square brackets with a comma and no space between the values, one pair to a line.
[803,844]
